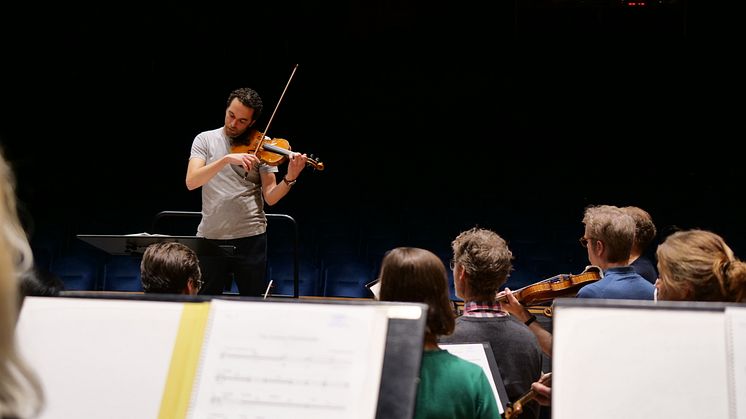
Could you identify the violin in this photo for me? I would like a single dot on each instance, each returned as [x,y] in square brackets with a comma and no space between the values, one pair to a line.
[268,150]
[272,151]
[554,287]
[516,408]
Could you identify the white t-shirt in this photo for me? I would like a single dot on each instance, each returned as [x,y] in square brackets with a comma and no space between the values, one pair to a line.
[232,203]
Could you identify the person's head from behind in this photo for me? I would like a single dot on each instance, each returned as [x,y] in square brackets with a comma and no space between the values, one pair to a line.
[410,274]
[481,264]
[645,230]
[243,109]
[697,265]
[170,268]
[20,391]
[609,234]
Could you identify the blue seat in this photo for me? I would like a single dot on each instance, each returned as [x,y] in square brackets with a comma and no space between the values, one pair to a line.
[348,279]
[122,273]
[77,272]
[281,272]
[233,289]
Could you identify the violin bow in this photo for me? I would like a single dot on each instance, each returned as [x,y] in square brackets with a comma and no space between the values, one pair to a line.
[266,129]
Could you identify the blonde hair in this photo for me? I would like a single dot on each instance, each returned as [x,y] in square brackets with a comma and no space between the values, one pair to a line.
[614,227]
[699,264]
[21,393]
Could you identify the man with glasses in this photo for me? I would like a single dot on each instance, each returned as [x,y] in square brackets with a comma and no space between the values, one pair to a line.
[170,268]
[608,237]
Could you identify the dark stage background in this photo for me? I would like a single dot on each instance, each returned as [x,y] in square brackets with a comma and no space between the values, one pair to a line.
[431,117]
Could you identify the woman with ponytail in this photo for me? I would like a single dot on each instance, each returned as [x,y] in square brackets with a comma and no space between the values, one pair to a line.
[697,265]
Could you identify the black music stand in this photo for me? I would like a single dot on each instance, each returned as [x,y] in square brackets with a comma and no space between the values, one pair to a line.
[135,244]
[284,217]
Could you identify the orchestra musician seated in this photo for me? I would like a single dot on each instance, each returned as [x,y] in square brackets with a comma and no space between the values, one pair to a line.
[481,264]
[170,268]
[449,387]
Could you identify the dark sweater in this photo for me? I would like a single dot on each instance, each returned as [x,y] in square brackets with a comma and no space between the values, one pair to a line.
[516,350]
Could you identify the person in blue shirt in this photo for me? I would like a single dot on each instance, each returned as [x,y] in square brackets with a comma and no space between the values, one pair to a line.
[608,237]
[645,232]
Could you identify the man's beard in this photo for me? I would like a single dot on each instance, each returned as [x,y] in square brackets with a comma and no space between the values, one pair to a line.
[242,138]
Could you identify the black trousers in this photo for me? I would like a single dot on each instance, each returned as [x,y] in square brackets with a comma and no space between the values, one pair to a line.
[245,259]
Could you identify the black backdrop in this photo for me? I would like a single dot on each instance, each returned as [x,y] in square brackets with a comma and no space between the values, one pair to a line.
[514,115]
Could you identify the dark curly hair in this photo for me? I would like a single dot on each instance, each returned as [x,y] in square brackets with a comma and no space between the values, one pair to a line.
[248,97]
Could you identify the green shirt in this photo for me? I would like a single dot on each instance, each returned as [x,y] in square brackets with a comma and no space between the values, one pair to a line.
[453,388]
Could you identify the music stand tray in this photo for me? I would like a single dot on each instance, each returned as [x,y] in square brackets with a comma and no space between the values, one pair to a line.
[135,244]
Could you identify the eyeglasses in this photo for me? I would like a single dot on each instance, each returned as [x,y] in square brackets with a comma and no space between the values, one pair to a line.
[584,241]
[452,263]
[199,283]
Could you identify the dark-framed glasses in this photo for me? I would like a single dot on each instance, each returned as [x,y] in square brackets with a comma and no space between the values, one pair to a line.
[584,241]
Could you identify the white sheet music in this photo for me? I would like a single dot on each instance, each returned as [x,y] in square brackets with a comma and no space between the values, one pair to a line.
[618,363]
[474,352]
[279,360]
[736,331]
[99,358]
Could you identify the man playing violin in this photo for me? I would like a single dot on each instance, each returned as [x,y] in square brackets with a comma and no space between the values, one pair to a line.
[481,264]
[609,235]
[235,187]
[608,238]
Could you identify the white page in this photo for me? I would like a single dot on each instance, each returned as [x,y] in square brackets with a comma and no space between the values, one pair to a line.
[474,352]
[99,358]
[280,360]
[736,323]
[638,363]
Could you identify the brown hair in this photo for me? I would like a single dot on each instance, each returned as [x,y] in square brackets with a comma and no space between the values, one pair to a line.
[644,228]
[486,259]
[249,98]
[417,275]
[700,264]
[167,267]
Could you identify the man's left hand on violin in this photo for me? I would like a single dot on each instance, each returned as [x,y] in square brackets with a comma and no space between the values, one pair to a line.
[296,163]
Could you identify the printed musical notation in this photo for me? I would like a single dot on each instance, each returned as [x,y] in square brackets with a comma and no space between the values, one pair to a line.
[309,360]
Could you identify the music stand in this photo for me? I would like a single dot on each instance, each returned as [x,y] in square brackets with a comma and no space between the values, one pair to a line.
[196,214]
[135,244]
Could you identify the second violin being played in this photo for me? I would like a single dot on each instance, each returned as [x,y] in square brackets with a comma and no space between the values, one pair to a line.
[557,286]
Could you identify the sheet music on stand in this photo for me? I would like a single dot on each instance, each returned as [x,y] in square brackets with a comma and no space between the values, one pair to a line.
[481,354]
[617,359]
[326,364]
[735,318]
[299,358]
